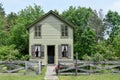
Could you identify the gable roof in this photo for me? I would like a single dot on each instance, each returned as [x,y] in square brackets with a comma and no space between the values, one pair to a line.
[47,14]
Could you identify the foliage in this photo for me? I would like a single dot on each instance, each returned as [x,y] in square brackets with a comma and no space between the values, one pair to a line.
[8,53]
[113,41]
[2,12]
[11,19]
[97,24]
[87,43]
[114,19]
[13,28]
[79,17]
[18,31]
[116,46]
[3,33]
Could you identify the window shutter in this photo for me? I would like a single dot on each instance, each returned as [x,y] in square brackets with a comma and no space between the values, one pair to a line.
[33,51]
[42,50]
[69,51]
[59,51]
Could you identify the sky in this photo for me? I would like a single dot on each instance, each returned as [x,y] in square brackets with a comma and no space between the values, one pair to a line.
[61,5]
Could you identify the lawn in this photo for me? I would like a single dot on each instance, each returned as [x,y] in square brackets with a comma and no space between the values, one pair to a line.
[92,77]
[23,77]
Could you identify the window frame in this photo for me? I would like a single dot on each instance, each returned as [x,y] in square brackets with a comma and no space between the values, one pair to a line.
[40,54]
[64,45]
[64,31]
[37,31]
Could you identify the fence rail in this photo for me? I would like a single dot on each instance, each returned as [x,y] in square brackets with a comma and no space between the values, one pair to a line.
[88,67]
[21,67]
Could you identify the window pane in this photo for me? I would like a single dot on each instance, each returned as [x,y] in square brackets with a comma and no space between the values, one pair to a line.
[66,33]
[35,33]
[35,28]
[39,28]
[62,33]
[66,28]
[39,33]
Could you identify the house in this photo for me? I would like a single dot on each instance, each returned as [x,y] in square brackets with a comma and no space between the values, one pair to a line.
[51,39]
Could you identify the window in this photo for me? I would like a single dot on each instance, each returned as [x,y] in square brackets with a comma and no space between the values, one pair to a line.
[37,51]
[37,30]
[64,31]
[64,50]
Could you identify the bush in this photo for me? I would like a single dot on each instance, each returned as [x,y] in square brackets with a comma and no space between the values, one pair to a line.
[8,53]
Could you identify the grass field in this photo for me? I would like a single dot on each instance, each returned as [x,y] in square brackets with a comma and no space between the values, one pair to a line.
[81,77]
[23,77]
[92,77]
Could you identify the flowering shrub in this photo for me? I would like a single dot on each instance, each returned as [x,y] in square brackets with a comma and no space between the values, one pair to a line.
[56,68]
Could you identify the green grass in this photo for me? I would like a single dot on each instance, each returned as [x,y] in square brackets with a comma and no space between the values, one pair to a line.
[23,77]
[92,77]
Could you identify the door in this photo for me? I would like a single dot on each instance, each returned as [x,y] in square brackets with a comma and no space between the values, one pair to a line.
[51,54]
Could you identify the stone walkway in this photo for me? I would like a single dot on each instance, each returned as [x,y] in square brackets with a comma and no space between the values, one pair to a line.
[50,74]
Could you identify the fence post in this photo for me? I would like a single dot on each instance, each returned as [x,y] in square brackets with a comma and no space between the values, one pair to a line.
[76,70]
[58,68]
[39,66]
[26,67]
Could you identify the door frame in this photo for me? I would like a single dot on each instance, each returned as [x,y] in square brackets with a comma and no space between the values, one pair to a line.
[53,54]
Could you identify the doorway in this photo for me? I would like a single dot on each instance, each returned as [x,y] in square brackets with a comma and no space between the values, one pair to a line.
[51,54]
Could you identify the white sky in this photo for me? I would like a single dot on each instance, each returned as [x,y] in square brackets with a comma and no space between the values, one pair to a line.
[61,5]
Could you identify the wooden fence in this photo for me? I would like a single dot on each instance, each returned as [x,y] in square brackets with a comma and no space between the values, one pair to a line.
[25,67]
[88,67]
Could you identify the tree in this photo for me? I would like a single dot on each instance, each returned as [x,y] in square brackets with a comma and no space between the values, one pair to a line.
[86,45]
[11,19]
[116,45]
[2,12]
[3,33]
[79,17]
[113,18]
[96,22]
[18,31]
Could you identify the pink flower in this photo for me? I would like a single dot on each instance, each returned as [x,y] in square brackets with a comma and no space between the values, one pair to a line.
[54,69]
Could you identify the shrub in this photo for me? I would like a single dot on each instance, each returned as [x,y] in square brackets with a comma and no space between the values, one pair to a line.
[8,53]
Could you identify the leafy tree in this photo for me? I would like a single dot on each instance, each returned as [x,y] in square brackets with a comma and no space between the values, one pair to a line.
[79,17]
[116,45]
[96,22]
[87,43]
[18,31]
[114,19]
[2,12]
[3,32]
[11,19]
